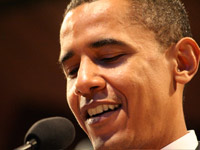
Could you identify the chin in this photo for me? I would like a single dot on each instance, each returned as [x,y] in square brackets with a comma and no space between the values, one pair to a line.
[115,142]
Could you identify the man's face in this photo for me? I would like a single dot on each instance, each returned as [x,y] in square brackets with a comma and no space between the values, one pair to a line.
[119,80]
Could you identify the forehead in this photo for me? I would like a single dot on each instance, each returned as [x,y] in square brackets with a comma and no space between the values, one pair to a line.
[99,20]
[86,14]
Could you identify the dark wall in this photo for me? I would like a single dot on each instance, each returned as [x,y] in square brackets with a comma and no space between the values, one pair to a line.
[32,83]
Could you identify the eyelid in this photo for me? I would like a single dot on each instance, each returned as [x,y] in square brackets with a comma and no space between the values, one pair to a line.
[71,71]
[112,57]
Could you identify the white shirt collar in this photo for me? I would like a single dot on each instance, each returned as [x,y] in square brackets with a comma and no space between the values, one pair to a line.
[188,141]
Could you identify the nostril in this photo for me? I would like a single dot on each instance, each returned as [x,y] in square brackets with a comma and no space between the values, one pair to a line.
[77,92]
[94,87]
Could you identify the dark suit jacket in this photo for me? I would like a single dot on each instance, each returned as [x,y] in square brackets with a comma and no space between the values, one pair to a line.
[198,147]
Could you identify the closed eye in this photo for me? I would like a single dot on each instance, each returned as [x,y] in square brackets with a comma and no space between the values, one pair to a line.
[111,59]
[73,73]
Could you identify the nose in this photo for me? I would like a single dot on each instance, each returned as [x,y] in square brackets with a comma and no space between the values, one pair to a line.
[89,79]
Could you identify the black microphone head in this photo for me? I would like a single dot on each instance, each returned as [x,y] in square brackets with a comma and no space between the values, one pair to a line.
[52,133]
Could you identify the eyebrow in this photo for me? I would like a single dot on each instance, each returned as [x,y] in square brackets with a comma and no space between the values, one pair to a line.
[96,44]
[106,42]
[66,57]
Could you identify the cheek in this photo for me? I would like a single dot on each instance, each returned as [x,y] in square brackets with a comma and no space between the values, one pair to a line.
[73,102]
[125,78]
[72,99]
[144,84]
[148,93]
[70,95]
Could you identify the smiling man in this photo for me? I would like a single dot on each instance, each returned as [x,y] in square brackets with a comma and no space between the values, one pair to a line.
[126,63]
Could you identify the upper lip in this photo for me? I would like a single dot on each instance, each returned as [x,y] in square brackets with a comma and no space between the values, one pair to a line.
[93,104]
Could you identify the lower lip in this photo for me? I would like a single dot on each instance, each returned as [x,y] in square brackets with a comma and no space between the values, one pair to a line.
[103,118]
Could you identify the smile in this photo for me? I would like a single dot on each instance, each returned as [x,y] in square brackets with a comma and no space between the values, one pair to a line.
[101,109]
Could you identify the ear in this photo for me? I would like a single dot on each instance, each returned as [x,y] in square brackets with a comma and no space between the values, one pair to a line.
[187,60]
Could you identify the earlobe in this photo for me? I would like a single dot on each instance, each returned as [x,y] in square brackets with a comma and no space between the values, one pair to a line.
[187,60]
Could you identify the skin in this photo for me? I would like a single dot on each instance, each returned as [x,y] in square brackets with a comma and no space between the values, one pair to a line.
[108,59]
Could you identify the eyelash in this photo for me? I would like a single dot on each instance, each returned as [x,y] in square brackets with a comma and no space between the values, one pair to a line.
[111,59]
[72,73]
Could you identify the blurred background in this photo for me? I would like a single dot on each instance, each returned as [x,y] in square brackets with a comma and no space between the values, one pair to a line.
[32,84]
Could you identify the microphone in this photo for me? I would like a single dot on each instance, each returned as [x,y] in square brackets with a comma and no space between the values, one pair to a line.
[54,133]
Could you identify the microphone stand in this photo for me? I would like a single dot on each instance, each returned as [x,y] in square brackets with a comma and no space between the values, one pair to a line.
[30,145]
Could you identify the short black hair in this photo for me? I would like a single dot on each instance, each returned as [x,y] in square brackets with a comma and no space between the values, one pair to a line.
[168,19]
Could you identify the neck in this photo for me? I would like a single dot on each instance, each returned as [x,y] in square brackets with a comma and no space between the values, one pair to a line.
[176,127]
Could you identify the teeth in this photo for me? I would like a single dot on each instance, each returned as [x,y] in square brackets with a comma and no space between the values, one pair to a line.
[116,106]
[105,107]
[90,112]
[99,109]
[94,111]
[111,107]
